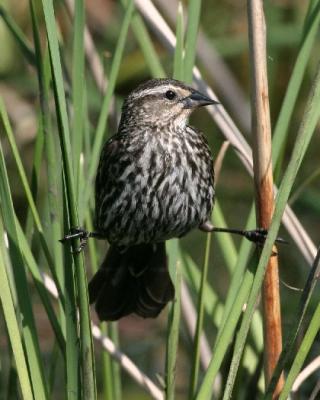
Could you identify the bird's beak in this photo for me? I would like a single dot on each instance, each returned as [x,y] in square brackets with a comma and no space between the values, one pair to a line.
[197,99]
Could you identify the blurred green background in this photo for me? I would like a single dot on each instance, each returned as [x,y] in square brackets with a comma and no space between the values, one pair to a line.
[224,23]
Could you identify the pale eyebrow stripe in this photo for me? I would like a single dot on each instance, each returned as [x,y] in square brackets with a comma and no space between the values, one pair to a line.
[159,90]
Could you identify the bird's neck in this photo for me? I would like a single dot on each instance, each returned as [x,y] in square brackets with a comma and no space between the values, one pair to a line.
[137,119]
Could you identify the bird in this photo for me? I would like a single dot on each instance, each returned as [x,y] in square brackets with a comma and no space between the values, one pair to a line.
[155,181]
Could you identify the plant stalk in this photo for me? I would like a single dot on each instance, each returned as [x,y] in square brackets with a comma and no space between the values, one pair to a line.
[263,179]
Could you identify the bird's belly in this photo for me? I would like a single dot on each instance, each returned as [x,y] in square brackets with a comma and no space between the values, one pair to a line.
[158,207]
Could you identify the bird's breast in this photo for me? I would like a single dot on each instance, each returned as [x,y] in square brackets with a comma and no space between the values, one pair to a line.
[167,189]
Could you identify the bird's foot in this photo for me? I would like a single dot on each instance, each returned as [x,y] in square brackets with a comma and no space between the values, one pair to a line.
[77,233]
[259,235]
[83,235]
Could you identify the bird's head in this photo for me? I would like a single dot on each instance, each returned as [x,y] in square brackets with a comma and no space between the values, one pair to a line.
[161,102]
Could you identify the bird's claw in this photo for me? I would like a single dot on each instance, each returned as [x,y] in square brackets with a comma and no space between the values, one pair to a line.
[77,233]
[259,236]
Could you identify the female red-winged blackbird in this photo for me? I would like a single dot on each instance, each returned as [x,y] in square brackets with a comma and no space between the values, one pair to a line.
[155,181]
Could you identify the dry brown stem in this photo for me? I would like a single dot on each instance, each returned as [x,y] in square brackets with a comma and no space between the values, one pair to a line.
[263,179]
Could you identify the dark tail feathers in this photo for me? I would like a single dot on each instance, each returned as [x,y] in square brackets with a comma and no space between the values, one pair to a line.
[134,281]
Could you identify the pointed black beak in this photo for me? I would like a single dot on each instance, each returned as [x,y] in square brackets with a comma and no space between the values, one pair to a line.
[197,99]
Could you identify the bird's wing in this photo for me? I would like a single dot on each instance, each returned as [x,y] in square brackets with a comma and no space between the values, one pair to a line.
[108,168]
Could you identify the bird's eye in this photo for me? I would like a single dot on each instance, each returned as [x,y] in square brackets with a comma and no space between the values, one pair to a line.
[170,95]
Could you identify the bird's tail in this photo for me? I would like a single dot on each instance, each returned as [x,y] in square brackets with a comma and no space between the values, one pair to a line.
[134,281]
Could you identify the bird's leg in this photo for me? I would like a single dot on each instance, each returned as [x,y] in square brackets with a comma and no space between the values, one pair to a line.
[257,236]
[83,235]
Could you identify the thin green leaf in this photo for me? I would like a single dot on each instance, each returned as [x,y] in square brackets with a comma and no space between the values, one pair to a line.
[73,362]
[212,304]
[44,79]
[239,268]
[296,325]
[30,200]
[86,350]
[39,284]
[28,327]
[225,240]
[111,374]
[194,10]
[309,337]
[35,176]
[149,53]
[13,329]
[73,367]
[116,370]
[174,320]
[225,336]
[78,85]
[307,182]
[200,317]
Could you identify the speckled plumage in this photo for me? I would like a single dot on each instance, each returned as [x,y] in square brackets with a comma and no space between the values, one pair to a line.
[155,181]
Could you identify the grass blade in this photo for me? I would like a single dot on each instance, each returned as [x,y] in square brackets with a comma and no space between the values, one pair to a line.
[194,10]
[225,336]
[149,53]
[199,326]
[295,326]
[44,80]
[86,348]
[73,367]
[113,333]
[28,327]
[39,284]
[192,275]
[174,320]
[13,329]
[30,200]
[309,337]
[111,375]
[78,85]
[35,176]
[239,270]
[224,240]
